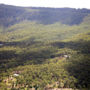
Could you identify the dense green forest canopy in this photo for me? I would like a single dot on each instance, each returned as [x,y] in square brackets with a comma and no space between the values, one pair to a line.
[44,47]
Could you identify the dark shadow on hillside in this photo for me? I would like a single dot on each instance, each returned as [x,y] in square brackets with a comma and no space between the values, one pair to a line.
[7,54]
[79,67]
[81,45]
[11,59]
[79,64]
[7,59]
[21,44]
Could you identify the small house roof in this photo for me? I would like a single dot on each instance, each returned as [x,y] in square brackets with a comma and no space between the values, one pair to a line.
[16,74]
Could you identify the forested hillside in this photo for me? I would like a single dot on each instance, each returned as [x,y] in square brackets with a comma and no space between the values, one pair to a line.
[44,48]
[10,15]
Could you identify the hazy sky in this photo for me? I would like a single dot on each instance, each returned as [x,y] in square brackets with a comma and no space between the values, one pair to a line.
[49,3]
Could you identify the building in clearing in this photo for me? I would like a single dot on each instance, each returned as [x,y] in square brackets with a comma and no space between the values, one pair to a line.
[66,56]
[15,74]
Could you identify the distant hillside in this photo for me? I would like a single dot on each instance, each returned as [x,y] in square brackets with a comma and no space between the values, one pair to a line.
[10,15]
